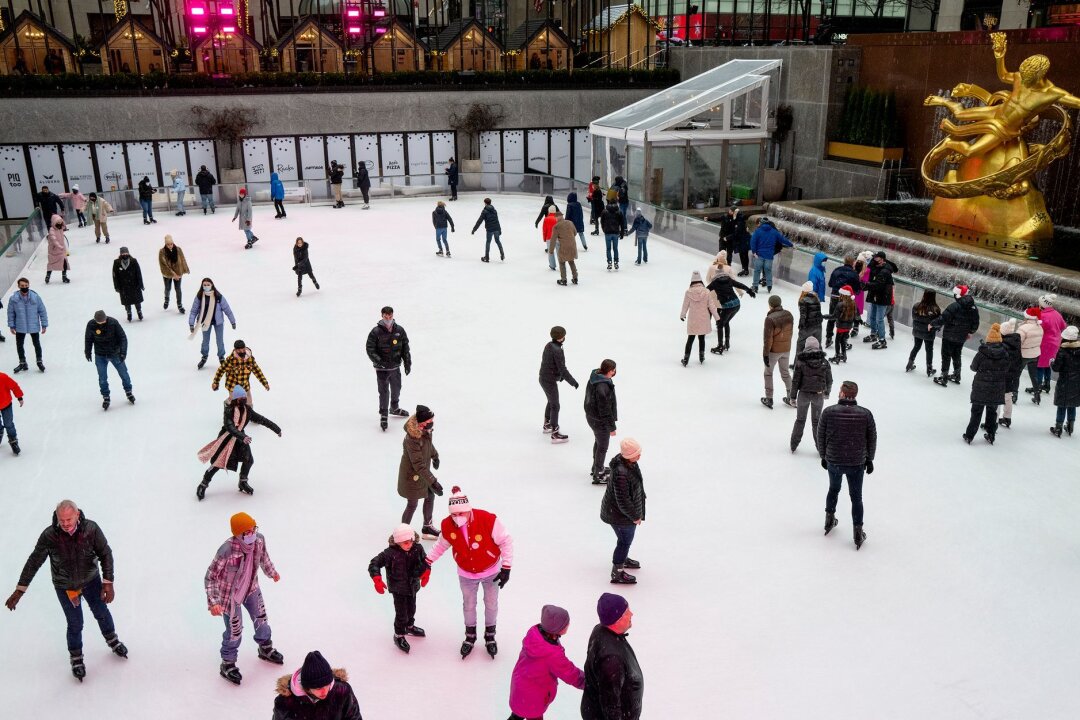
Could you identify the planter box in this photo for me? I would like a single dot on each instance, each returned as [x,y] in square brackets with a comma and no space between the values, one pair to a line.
[863,153]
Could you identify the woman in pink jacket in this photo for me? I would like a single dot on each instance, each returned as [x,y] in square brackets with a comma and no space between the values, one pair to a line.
[79,201]
[1052,324]
[57,249]
[541,665]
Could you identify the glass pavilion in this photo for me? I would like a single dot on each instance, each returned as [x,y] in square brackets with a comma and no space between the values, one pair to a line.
[698,145]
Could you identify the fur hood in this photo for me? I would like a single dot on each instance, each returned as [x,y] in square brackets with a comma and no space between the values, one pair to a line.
[285,682]
[412,427]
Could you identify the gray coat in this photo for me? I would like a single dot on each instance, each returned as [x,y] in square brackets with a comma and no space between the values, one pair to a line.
[243,213]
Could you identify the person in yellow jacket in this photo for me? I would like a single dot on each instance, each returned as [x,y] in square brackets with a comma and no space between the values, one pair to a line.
[237,369]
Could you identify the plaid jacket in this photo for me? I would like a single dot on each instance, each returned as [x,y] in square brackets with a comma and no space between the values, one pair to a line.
[220,577]
[238,372]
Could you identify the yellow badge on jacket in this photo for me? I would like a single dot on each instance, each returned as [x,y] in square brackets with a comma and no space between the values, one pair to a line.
[97,332]
[393,342]
[453,536]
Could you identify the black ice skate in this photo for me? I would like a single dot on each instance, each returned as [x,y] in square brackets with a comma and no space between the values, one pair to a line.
[116,646]
[105,402]
[942,380]
[619,576]
[988,438]
[382,422]
[879,345]
[78,669]
[230,672]
[790,402]
[244,487]
[767,402]
[830,522]
[547,428]
[631,564]
[489,641]
[429,533]
[398,412]
[402,643]
[415,631]
[270,655]
[557,438]
[1056,430]
[860,537]
[15,446]
[930,373]
[131,398]
[201,363]
[1005,423]
[40,366]
[470,640]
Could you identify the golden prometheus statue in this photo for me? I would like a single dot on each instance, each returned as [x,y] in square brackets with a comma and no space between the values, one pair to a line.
[988,195]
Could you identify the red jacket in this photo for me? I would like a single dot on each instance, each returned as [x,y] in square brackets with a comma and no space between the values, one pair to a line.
[549,223]
[8,387]
[477,552]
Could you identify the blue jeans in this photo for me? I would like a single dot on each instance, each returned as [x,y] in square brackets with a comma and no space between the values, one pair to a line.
[248,234]
[876,320]
[762,264]
[625,208]
[493,235]
[91,594]
[234,625]
[207,201]
[1063,414]
[1043,375]
[147,209]
[854,478]
[611,242]
[643,249]
[551,255]
[102,362]
[219,330]
[581,236]
[624,535]
[440,240]
[180,200]
[7,423]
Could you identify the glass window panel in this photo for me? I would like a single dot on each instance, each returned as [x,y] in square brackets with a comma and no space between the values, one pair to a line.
[703,187]
[666,177]
[616,158]
[635,171]
[742,172]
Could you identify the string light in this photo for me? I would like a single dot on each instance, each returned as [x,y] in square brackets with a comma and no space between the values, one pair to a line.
[120,8]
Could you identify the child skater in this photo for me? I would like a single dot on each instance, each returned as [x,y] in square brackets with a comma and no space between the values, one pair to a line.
[844,315]
[407,571]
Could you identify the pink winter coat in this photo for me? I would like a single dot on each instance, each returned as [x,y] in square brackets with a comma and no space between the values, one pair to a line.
[860,297]
[1031,338]
[1052,324]
[540,666]
[698,308]
[57,245]
[77,199]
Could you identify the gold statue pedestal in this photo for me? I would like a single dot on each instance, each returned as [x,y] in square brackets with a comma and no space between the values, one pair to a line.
[1018,226]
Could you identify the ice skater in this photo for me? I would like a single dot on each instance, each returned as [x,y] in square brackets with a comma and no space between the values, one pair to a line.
[452,177]
[540,666]
[100,209]
[75,547]
[232,449]
[811,386]
[243,217]
[553,370]
[1067,390]
[232,585]
[596,204]
[641,227]
[698,312]
[315,692]
[9,388]
[777,349]
[601,412]
[277,194]
[302,265]
[991,368]
[208,314]
[407,571]
[78,202]
[723,282]
[923,313]
[846,442]
[180,188]
[26,315]
[563,246]
[415,480]
[623,508]
[237,370]
[959,321]
[363,181]
[576,215]
[613,223]
[146,200]
[810,317]
[388,349]
[844,316]
[109,342]
[128,282]
[173,268]
[440,218]
[490,217]
[58,250]
[205,181]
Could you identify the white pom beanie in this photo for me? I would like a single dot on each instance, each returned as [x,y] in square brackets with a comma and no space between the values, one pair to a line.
[1047,300]
[402,533]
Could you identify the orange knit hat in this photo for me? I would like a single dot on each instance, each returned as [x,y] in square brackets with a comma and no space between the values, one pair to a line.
[241,523]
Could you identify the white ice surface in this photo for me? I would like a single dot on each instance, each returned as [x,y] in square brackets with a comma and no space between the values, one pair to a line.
[960,605]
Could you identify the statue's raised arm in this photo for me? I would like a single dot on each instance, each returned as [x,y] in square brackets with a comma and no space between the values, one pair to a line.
[1001,43]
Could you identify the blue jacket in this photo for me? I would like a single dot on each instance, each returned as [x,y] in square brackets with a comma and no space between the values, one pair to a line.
[640,226]
[277,190]
[179,185]
[817,275]
[844,275]
[221,307]
[763,241]
[574,213]
[27,315]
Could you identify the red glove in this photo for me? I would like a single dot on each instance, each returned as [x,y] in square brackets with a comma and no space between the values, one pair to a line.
[380,586]
[425,577]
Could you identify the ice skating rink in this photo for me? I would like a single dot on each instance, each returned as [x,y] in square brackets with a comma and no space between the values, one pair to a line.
[961,604]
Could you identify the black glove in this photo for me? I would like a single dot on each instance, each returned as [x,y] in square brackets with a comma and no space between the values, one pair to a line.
[824,464]
[234,326]
[576,386]
[435,462]
[503,578]
[408,369]
[436,488]
[869,467]
[88,358]
[766,359]
[752,292]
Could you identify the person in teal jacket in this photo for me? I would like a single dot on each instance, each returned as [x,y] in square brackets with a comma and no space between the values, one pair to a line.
[817,275]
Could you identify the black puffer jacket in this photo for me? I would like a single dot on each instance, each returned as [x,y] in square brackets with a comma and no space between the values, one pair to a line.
[991,367]
[879,287]
[813,373]
[612,220]
[205,181]
[73,559]
[388,349]
[1067,365]
[624,497]
[724,287]
[490,217]
[363,180]
[846,434]
[403,569]
[339,704]
[128,282]
[336,174]
[50,204]
[146,192]
[733,235]
[959,320]
[301,263]
[440,218]
[553,365]
[809,314]
[841,276]
[107,340]
[614,684]
[1012,344]
[921,318]
[601,408]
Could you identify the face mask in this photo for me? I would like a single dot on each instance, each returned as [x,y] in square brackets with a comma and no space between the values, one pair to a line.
[25,290]
[429,427]
[248,539]
[207,288]
[460,520]
[388,323]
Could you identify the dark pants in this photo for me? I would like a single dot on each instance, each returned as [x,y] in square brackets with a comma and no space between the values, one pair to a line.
[976,418]
[919,342]
[147,209]
[723,326]
[950,353]
[834,302]
[854,478]
[7,423]
[410,509]
[806,401]
[493,235]
[389,382]
[91,595]
[602,436]
[744,257]
[1032,365]
[624,535]
[20,338]
[1064,414]
[551,410]
[300,280]
[173,284]
[404,612]
[690,345]
[364,192]
[453,192]
[245,468]
[841,344]
[279,207]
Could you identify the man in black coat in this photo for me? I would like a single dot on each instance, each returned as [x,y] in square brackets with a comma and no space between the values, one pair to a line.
[879,296]
[613,223]
[841,276]
[623,508]
[991,368]
[847,443]
[601,412]
[490,217]
[363,181]
[552,371]
[735,239]
[452,177]
[388,349]
[205,182]
[75,546]
[959,321]
[109,343]
[50,205]
[337,172]
[614,683]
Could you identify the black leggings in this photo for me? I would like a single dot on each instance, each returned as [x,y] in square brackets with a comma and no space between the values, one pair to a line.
[245,468]
[300,280]
[723,326]
[690,344]
[170,283]
[841,345]
[929,352]
[279,207]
